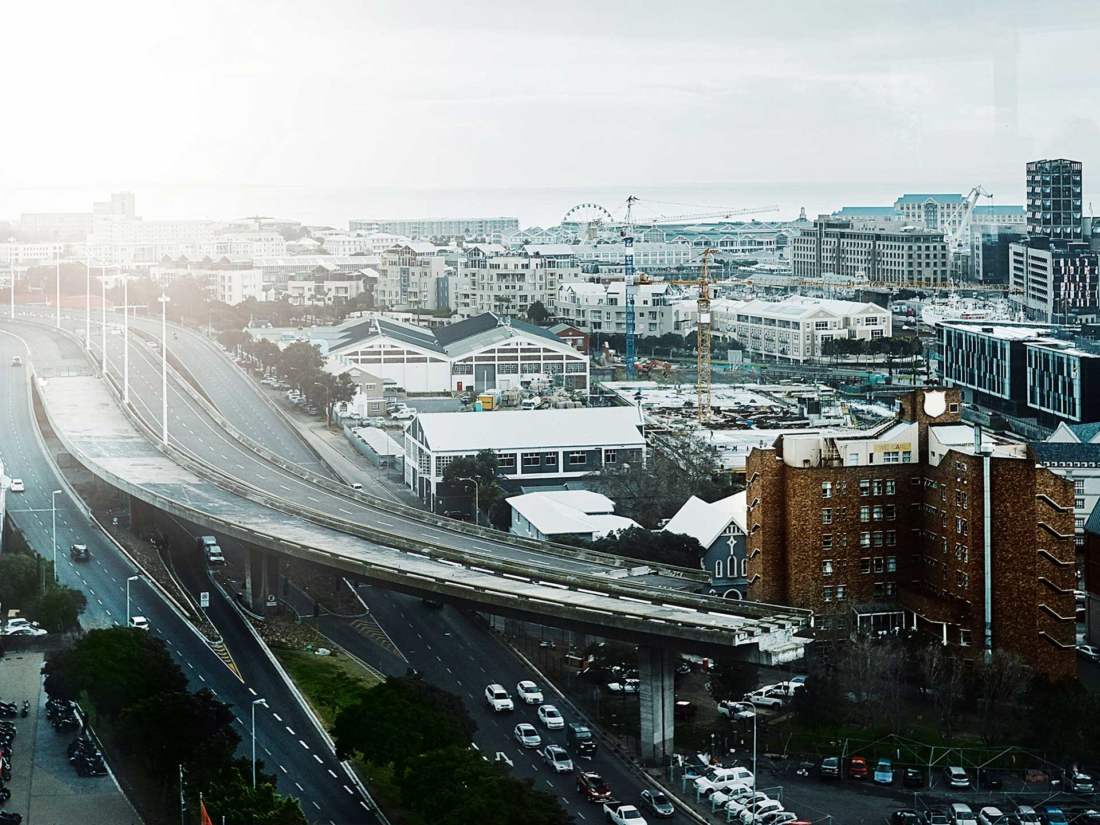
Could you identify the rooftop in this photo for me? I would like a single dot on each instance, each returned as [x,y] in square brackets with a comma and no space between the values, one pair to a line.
[911,198]
[705,521]
[469,432]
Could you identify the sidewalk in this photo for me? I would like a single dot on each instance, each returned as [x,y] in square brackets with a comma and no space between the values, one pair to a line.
[45,788]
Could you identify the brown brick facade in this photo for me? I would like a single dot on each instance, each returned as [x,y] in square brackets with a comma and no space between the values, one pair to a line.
[911,537]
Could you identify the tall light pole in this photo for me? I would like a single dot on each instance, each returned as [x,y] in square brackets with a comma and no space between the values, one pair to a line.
[57,297]
[53,520]
[477,510]
[164,368]
[254,703]
[126,339]
[131,579]
[87,301]
[751,707]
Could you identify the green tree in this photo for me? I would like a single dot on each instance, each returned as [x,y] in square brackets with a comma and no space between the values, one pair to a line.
[166,730]
[231,339]
[20,575]
[231,796]
[537,313]
[655,546]
[116,667]
[396,721]
[731,678]
[483,468]
[328,390]
[300,364]
[59,608]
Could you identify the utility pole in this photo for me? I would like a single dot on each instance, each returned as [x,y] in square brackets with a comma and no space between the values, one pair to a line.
[164,368]
[57,297]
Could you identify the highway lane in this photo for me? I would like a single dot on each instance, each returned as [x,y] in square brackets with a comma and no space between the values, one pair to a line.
[283,728]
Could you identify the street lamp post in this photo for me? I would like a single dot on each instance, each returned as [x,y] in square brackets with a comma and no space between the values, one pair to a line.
[477,510]
[254,703]
[88,302]
[164,368]
[752,707]
[57,296]
[53,519]
[131,579]
[126,340]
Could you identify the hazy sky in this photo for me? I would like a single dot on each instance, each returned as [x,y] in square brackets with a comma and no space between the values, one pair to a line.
[437,93]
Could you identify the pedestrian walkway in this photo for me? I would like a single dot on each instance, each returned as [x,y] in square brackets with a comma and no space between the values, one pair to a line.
[44,786]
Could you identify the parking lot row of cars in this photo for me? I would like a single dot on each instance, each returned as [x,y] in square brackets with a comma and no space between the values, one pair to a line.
[960,813]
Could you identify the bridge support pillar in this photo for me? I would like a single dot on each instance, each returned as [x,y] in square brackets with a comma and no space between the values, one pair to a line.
[656,694]
[261,579]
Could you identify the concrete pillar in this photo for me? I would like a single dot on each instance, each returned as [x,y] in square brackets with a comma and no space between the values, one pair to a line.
[656,694]
[261,578]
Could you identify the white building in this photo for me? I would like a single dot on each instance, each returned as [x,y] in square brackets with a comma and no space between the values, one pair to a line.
[280,270]
[796,328]
[30,254]
[531,446]
[232,286]
[493,279]
[370,243]
[324,290]
[658,308]
[414,274]
[648,255]
[246,245]
[1073,451]
[557,514]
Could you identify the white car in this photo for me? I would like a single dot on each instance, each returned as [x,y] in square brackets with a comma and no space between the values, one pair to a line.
[718,777]
[527,736]
[529,692]
[736,710]
[990,816]
[551,717]
[403,414]
[139,623]
[17,485]
[1090,652]
[737,806]
[753,813]
[22,627]
[777,818]
[737,791]
[498,698]
[764,698]
[557,758]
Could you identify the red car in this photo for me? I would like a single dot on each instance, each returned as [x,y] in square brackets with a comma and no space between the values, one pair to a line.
[857,768]
[592,787]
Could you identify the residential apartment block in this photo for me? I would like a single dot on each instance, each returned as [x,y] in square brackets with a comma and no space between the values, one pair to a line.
[904,256]
[796,328]
[494,279]
[891,528]
[1073,452]
[659,309]
[1054,282]
[414,274]
[1054,199]
[492,230]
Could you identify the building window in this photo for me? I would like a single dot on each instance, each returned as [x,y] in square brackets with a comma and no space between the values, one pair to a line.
[876,512]
[826,567]
[718,569]
[961,552]
[826,541]
[853,459]
[610,456]
[962,580]
[880,590]
[891,486]
[964,638]
[1079,504]
[960,525]
[877,538]
[891,564]
[864,514]
[960,498]
[890,589]
[532,459]
[577,458]
[879,564]
[864,539]
[891,538]
[890,511]
[827,594]
[744,568]
[865,486]
[865,565]
[826,489]
[826,515]
[1078,486]
[876,487]
[841,592]
[506,462]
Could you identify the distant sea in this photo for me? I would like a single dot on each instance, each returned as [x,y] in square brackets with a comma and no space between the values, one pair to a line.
[534,206]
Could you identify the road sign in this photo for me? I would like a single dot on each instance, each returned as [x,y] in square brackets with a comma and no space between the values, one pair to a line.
[204,599]
[270,599]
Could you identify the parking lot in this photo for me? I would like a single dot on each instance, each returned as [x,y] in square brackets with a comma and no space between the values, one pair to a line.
[44,786]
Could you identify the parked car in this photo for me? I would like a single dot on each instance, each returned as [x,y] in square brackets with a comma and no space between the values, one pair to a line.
[955,777]
[962,815]
[718,775]
[657,803]
[618,813]
[557,758]
[990,815]
[1026,815]
[734,792]
[498,699]
[592,787]
[829,767]
[752,814]
[990,780]
[906,816]
[17,485]
[912,778]
[22,627]
[550,717]
[526,735]
[529,692]
[736,807]
[936,816]
[1052,815]
[857,768]
[764,699]
[884,772]
[1090,652]
[139,623]
[736,710]
[1079,782]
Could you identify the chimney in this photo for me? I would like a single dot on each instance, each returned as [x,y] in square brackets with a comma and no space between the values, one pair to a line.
[977,439]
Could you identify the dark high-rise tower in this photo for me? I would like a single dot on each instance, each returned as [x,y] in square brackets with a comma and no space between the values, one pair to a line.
[1054,199]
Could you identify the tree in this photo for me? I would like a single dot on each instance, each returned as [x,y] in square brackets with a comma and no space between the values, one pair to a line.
[116,667]
[482,468]
[300,364]
[943,678]
[328,390]
[657,546]
[538,314]
[58,609]
[231,339]
[396,721]
[167,730]
[1001,684]
[731,678]
[20,575]
[232,796]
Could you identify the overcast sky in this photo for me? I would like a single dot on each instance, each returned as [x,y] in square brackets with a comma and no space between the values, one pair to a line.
[438,93]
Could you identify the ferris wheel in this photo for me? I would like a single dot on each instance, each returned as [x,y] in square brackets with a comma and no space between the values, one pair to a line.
[586,219]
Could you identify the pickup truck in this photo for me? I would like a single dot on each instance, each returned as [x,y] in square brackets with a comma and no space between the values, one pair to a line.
[620,814]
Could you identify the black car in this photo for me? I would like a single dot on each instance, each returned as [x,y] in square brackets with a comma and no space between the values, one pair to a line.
[906,816]
[829,767]
[936,816]
[79,552]
[990,780]
[912,778]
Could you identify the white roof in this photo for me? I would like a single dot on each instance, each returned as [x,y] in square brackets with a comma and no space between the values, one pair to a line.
[705,521]
[531,429]
[379,440]
[556,512]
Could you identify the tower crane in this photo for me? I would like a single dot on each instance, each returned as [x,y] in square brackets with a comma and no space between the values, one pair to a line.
[702,342]
[628,271]
[958,239]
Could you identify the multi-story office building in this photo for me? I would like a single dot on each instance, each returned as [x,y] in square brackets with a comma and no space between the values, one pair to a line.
[414,274]
[899,536]
[493,279]
[232,286]
[1023,370]
[649,256]
[999,215]
[279,270]
[892,256]
[29,254]
[659,308]
[55,226]
[796,328]
[1054,199]
[245,245]
[989,251]
[492,230]
[942,212]
[1054,282]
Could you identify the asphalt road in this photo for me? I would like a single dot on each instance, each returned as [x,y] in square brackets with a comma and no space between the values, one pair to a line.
[286,741]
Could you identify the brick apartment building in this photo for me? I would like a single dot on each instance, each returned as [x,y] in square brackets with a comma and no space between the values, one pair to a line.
[886,529]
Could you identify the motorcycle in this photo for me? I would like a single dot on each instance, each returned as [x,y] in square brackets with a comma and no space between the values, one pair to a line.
[25,709]
[8,818]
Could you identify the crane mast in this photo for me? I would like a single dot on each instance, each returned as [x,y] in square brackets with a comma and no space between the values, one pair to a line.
[628,287]
[702,342]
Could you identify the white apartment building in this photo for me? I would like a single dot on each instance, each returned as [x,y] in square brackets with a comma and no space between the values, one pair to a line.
[414,274]
[30,254]
[492,279]
[232,286]
[246,245]
[659,308]
[648,255]
[894,256]
[372,243]
[324,290]
[1073,451]
[796,328]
